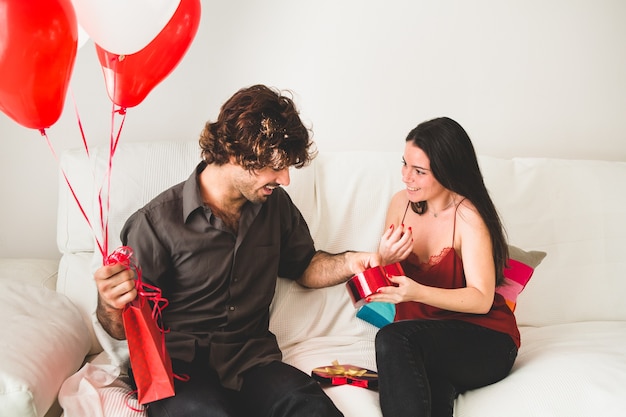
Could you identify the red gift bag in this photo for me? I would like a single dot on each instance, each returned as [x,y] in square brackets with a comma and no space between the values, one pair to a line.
[149,359]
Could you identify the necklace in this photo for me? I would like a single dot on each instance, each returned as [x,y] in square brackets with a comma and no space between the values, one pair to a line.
[443,209]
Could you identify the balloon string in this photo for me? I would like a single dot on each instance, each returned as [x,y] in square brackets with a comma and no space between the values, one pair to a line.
[104,205]
[74,195]
[114,141]
[80,123]
[103,214]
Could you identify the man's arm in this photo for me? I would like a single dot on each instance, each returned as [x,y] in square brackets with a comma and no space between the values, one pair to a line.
[111,320]
[326,269]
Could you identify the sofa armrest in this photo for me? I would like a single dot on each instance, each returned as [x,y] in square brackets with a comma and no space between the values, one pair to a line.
[37,272]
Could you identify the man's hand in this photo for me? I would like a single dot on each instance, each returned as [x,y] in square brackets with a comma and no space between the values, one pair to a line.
[326,270]
[360,261]
[116,288]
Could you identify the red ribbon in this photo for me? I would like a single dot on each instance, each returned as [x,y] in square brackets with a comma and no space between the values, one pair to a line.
[124,255]
[359,383]
[104,205]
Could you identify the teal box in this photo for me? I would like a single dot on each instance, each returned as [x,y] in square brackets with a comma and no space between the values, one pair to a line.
[377,313]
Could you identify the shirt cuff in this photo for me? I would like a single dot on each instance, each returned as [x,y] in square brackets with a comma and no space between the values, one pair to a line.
[116,349]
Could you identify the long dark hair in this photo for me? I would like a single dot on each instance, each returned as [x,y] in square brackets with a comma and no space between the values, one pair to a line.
[454,164]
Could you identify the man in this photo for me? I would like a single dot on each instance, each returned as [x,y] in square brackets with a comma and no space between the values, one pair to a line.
[215,244]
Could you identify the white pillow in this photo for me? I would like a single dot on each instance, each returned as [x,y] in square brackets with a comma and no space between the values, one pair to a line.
[44,340]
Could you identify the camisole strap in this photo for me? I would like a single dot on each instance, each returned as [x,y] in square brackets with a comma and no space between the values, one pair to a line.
[405,211]
[456,208]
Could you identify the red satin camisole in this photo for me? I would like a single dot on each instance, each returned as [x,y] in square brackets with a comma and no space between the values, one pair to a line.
[448,272]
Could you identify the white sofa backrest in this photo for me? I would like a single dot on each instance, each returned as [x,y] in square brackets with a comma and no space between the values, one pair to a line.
[573,210]
[345,201]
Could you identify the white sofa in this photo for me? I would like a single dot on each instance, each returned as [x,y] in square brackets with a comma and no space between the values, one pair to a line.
[572,316]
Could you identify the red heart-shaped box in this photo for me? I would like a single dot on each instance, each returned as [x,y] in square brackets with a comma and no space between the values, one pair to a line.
[369,281]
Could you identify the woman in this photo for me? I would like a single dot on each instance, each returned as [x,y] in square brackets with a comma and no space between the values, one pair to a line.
[452,332]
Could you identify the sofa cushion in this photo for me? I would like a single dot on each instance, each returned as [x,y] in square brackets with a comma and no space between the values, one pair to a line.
[531,258]
[522,265]
[44,340]
[573,370]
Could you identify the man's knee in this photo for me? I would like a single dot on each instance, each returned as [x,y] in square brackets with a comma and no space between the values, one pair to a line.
[309,401]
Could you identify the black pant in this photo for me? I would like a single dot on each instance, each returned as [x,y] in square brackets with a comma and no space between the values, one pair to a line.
[276,389]
[424,364]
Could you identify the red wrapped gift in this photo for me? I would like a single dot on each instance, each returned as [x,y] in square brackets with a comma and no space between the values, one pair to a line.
[369,281]
[337,374]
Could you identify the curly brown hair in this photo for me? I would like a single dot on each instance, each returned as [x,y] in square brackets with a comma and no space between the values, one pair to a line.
[259,127]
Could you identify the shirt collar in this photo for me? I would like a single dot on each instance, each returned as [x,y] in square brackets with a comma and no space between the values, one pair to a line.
[192,200]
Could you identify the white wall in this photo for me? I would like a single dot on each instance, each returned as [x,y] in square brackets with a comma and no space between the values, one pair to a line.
[524,77]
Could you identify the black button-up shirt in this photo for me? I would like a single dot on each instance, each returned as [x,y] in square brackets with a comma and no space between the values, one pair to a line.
[219,285]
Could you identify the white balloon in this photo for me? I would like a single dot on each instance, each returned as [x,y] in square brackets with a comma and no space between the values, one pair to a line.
[83,37]
[124,27]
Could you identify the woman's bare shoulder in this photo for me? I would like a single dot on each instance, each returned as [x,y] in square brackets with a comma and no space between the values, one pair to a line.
[398,200]
[396,208]
[468,215]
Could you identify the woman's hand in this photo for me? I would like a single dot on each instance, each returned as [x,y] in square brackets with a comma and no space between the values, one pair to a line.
[395,244]
[463,300]
[403,289]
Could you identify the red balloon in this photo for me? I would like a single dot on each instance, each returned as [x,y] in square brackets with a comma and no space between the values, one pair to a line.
[129,78]
[38,43]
